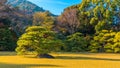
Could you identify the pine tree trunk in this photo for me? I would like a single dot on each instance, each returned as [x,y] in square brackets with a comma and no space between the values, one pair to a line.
[44,56]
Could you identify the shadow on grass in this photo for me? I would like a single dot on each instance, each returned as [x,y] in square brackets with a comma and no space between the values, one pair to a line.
[5,53]
[85,58]
[5,65]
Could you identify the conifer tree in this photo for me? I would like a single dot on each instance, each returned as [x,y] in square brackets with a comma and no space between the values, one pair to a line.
[37,39]
[100,13]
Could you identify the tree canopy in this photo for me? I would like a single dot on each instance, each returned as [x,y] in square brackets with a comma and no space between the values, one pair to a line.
[92,26]
[38,39]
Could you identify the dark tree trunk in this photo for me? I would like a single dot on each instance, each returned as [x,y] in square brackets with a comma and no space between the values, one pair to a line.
[44,56]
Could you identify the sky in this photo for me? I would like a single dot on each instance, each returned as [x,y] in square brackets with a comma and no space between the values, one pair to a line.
[55,6]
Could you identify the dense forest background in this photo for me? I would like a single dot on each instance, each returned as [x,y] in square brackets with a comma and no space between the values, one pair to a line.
[91,26]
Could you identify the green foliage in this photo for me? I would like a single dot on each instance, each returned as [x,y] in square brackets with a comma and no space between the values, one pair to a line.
[38,39]
[76,43]
[89,26]
[98,13]
[94,46]
[116,45]
[95,18]
[7,41]
[6,21]
[103,41]
[43,19]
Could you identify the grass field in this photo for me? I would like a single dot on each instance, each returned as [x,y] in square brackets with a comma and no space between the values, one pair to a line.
[81,60]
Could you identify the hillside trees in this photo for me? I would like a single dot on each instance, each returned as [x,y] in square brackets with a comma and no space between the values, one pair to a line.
[18,20]
[7,40]
[7,36]
[3,1]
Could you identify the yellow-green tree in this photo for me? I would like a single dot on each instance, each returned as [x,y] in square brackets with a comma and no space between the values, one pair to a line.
[76,43]
[116,45]
[103,41]
[37,39]
[100,13]
[43,19]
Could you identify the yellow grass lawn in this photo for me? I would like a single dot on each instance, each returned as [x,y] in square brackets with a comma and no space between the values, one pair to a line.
[83,60]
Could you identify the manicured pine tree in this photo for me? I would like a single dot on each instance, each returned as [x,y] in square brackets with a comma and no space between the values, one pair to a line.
[39,40]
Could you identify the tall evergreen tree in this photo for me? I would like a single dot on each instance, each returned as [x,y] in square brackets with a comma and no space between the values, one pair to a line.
[100,13]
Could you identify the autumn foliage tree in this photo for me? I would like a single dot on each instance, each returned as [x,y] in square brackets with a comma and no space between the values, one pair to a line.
[43,19]
[68,21]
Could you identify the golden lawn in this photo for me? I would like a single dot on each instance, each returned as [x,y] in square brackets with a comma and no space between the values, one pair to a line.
[83,60]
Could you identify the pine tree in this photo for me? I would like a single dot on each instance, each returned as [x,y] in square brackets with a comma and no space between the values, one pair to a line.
[38,39]
[100,13]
